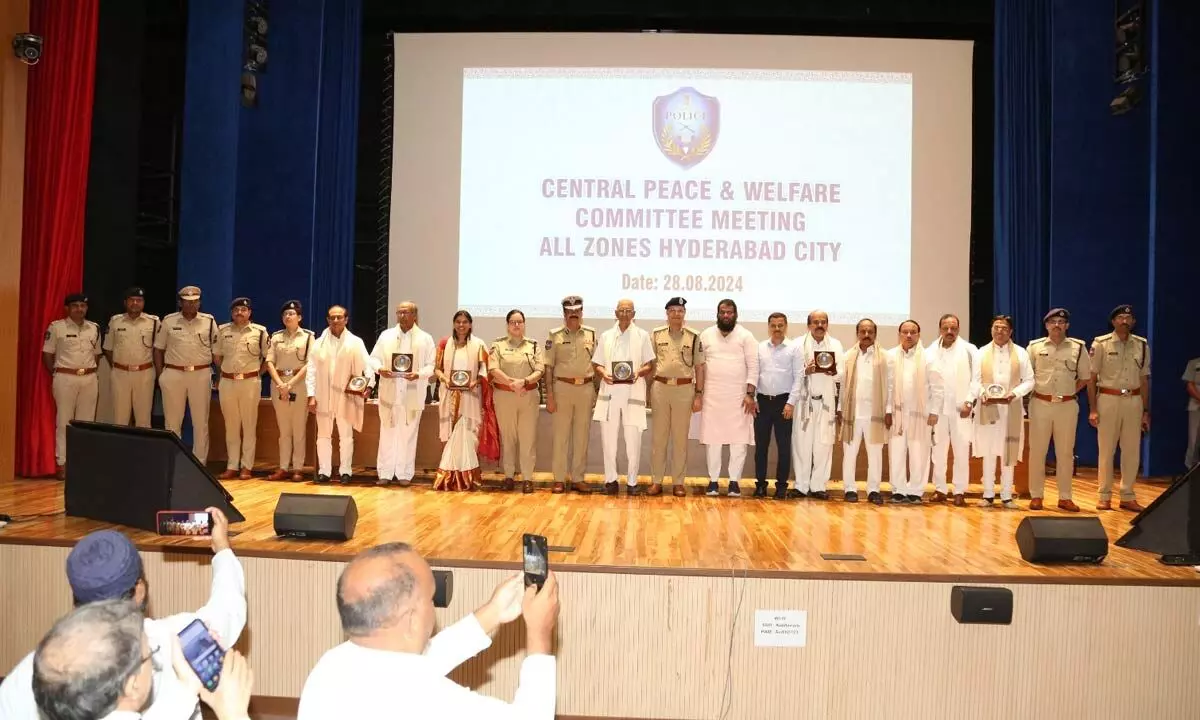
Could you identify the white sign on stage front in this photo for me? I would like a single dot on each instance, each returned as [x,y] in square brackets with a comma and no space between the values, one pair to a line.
[780,628]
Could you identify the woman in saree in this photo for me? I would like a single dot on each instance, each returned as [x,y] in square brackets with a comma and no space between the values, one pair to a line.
[466,416]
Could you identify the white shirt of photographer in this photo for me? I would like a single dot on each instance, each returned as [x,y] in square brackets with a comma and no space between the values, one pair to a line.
[224,613]
[351,681]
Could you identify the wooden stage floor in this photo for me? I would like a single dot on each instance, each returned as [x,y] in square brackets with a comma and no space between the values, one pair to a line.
[694,535]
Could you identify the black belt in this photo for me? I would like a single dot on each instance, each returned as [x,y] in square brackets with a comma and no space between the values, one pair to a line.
[773,397]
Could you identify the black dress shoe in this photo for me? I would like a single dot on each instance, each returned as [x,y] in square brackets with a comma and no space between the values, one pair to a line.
[508,484]
[796,494]
[527,486]
[875,498]
[611,488]
[818,495]
[760,489]
[322,478]
[632,490]
[781,492]
[899,499]
[851,497]
[914,500]
[344,479]
[383,481]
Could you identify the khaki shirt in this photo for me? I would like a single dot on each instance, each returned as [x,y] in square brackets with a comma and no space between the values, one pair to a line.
[1120,365]
[74,346]
[676,355]
[517,361]
[187,342]
[1056,369]
[570,353]
[130,340]
[289,353]
[241,350]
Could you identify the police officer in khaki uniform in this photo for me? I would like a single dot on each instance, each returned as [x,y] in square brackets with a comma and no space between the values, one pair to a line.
[69,352]
[674,394]
[1061,368]
[287,363]
[183,359]
[517,363]
[240,353]
[570,393]
[129,347]
[1121,371]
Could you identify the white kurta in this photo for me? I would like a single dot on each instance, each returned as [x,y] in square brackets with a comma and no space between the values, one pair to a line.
[225,613]
[351,681]
[731,361]
[634,346]
[910,414]
[989,439]
[331,364]
[397,393]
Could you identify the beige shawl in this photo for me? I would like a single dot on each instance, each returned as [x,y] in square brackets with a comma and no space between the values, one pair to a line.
[898,390]
[990,414]
[877,433]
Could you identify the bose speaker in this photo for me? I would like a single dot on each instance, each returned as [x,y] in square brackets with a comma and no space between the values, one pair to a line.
[1062,540]
[324,517]
[981,605]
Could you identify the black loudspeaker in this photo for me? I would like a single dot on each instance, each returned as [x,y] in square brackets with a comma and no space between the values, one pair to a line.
[443,588]
[1171,525]
[1062,540]
[325,517]
[126,475]
[981,605]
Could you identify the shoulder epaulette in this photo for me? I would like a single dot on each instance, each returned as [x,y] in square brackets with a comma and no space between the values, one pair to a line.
[1105,336]
[557,330]
[660,328]
[1139,337]
[222,326]
[500,339]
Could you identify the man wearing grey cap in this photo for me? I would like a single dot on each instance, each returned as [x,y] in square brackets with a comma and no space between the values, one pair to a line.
[105,565]
[1061,368]
[1121,372]
[183,356]
[129,347]
[70,352]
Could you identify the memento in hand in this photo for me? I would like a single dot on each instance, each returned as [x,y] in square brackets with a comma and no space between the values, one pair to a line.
[358,385]
[402,362]
[826,362]
[995,391]
[460,380]
[622,372]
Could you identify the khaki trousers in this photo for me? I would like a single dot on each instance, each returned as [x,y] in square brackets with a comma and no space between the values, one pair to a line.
[572,421]
[1120,426]
[517,418]
[132,393]
[1058,421]
[239,406]
[292,418]
[182,390]
[74,399]
[672,405]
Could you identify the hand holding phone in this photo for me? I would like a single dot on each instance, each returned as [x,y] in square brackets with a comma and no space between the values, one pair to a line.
[185,522]
[203,653]
[537,565]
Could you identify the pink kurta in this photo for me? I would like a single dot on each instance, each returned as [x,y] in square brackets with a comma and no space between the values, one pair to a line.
[730,362]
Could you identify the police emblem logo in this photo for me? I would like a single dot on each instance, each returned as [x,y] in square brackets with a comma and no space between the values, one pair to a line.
[686,124]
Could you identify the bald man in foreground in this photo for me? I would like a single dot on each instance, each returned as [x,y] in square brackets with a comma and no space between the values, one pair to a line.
[385,600]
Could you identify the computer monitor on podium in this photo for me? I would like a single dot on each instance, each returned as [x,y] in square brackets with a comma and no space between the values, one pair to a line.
[125,475]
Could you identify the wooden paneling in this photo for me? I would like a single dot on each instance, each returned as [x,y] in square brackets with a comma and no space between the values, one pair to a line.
[672,647]
[14,18]
[694,535]
[429,448]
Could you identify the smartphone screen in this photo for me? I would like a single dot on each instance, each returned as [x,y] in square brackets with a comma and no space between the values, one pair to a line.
[202,653]
[184,522]
[536,564]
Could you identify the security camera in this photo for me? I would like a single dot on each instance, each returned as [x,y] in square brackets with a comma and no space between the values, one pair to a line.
[27,47]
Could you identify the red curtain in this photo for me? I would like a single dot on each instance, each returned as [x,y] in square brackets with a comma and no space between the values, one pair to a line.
[58,140]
